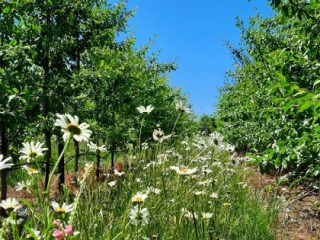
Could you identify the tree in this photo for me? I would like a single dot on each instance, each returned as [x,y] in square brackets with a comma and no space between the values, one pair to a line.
[270,105]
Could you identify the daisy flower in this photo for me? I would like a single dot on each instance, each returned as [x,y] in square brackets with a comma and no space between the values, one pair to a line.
[112,183]
[143,110]
[198,193]
[205,182]
[158,135]
[183,170]
[206,170]
[214,195]
[34,234]
[118,173]
[186,213]
[4,164]
[62,209]
[70,125]
[216,139]
[138,215]
[31,151]
[139,197]
[206,215]
[94,147]
[30,170]
[153,190]
[182,108]
[24,185]
[10,204]
[144,146]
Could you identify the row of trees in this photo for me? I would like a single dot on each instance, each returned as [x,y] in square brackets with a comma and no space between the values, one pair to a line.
[270,104]
[60,56]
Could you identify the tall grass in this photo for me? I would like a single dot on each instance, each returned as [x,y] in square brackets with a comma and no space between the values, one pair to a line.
[217,187]
[188,189]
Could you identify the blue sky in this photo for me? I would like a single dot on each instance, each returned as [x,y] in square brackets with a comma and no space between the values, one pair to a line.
[192,33]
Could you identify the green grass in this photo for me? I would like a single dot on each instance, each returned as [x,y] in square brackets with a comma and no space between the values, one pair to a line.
[216,187]
[237,213]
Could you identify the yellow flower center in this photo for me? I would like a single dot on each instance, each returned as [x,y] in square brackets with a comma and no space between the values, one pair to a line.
[138,199]
[32,170]
[60,210]
[183,170]
[74,128]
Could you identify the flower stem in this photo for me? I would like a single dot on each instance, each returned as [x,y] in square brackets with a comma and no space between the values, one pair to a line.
[175,124]
[140,132]
[56,165]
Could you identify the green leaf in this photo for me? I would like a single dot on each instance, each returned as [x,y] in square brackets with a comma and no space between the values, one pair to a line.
[316,82]
[305,106]
[102,63]
[6,9]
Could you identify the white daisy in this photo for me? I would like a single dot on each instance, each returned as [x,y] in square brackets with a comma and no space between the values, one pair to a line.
[205,182]
[34,234]
[216,139]
[186,213]
[30,170]
[117,173]
[206,170]
[112,183]
[24,185]
[153,190]
[138,215]
[143,110]
[182,108]
[31,150]
[94,147]
[4,164]
[10,204]
[139,197]
[183,170]
[159,136]
[198,193]
[206,215]
[214,195]
[70,125]
[62,209]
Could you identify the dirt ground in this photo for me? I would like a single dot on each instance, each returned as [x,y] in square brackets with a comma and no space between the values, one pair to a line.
[299,217]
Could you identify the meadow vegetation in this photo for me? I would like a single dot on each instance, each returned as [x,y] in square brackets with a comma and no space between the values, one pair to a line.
[81,104]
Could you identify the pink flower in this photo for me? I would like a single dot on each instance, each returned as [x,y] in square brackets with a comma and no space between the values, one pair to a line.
[57,223]
[68,230]
[58,234]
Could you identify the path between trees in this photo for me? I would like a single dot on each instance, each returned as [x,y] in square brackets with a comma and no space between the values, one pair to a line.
[299,216]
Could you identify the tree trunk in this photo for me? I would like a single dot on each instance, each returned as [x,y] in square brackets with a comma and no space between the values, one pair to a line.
[98,165]
[47,135]
[98,162]
[5,153]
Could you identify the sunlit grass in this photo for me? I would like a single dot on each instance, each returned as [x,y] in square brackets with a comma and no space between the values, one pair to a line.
[171,189]
[202,205]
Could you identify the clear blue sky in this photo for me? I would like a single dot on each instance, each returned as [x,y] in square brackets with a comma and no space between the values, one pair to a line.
[192,34]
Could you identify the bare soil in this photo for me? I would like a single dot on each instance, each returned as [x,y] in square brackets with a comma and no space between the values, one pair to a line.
[299,216]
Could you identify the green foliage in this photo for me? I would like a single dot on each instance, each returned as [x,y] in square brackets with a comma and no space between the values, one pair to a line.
[271,105]
[64,56]
[206,124]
